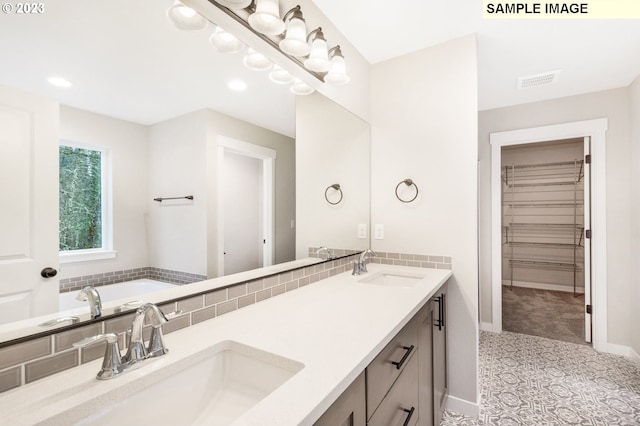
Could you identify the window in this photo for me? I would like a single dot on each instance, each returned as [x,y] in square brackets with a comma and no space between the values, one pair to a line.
[84,234]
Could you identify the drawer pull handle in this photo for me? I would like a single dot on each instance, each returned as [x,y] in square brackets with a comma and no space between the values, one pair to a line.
[408,350]
[406,421]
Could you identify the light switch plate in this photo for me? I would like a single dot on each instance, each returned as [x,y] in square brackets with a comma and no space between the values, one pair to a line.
[362,230]
[379,231]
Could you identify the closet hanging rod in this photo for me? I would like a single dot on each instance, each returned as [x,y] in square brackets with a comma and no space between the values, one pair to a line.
[553,225]
[185,197]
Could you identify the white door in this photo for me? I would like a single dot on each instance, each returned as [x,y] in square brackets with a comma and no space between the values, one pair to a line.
[243,235]
[28,204]
[587,241]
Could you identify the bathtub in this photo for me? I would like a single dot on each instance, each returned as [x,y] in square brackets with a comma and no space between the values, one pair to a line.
[129,289]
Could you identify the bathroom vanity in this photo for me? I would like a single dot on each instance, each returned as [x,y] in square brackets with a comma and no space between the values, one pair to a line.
[344,350]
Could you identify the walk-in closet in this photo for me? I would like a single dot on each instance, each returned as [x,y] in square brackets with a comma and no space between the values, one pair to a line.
[544,210]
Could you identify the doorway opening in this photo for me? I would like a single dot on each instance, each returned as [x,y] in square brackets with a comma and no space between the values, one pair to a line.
[545,276]
[245,177]
[595,264]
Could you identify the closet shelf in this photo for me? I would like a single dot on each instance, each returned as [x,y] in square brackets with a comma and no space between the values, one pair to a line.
[564,266]
[543,209]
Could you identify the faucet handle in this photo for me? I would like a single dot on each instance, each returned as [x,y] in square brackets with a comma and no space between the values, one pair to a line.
[112,362]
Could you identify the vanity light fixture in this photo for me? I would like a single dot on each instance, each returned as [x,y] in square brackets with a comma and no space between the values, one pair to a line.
[295,40]
[225,42]
[185,18]
[299,87]
[318,59]
[266,18]
[280,76]
[59,82]
[237,85]
[234,4]
[256,61]
[338,72]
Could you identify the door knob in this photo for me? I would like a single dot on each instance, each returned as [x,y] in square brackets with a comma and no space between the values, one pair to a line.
[48,273]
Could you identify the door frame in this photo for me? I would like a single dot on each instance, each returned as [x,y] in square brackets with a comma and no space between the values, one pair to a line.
[268,157]
[596,130]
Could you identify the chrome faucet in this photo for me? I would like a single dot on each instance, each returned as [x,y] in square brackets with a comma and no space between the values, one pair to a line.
[113,363]
[330,255]
[95,304]
[137,351]
[360,266]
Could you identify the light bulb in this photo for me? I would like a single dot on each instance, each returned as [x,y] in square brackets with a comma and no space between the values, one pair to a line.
[295,41]
[338,72]
[299,87]
[266,18]
[225,42]
[256,61]
[185,18]
[280,76]
[318,59]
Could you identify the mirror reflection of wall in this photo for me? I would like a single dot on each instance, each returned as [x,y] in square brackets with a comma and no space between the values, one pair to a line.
[156,99]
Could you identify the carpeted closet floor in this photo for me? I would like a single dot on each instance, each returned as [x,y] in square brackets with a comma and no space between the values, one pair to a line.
[552,314]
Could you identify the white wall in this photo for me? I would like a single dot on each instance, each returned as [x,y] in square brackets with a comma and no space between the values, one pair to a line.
[614,105]
[424,127]
[177,167]
[128,145]
[332,146]
[635,215]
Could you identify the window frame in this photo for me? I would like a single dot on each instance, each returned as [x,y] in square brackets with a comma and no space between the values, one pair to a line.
[106,188]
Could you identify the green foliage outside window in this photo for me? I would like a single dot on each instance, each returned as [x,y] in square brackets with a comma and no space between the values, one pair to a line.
[80,198]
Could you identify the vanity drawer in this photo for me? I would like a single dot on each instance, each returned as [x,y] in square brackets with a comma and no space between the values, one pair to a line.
[401,403]
[387,366]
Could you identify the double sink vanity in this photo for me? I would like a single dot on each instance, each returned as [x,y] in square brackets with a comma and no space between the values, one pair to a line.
[346,350]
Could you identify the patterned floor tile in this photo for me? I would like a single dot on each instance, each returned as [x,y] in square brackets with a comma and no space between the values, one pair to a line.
[534,381]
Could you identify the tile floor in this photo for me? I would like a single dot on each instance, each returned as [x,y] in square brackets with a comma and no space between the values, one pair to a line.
[529,380]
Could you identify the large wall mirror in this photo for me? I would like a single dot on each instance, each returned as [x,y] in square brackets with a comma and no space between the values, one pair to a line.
[246,175]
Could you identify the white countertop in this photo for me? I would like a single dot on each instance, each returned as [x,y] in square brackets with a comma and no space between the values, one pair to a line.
[335,327]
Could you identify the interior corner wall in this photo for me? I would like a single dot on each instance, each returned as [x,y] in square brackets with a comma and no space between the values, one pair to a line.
[128,145]
[424,127]
[218,124]
[635,215]
[611,104]
[333,146]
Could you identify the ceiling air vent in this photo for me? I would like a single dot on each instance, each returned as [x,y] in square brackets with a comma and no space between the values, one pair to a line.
[541,79]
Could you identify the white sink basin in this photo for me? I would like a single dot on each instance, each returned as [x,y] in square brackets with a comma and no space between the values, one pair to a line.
[393,279]
[215,389]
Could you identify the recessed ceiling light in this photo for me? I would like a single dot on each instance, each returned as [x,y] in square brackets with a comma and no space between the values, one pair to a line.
[59,81]
[237,85]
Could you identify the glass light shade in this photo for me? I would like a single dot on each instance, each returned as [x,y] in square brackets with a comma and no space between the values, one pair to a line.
[256,61]
[185,18]
[280,76]
[295,41]
[266,19]
[234,4]
[338,72]
[299,87]
[318,59]
[225,42]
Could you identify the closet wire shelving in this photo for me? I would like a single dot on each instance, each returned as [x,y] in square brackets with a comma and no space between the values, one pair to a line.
[543,218]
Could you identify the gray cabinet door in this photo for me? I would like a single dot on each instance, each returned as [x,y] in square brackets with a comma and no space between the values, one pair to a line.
[425,364]
[349,409]
[440,386]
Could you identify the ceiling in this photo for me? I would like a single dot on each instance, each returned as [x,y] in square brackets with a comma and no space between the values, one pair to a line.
[126,59]
[592,54]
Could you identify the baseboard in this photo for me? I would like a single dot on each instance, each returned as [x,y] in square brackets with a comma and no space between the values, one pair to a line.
[486,326]
[462,406]
[542,286]
[635,357]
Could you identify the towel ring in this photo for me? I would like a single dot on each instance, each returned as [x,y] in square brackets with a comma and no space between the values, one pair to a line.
[335,186]
[407,182]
